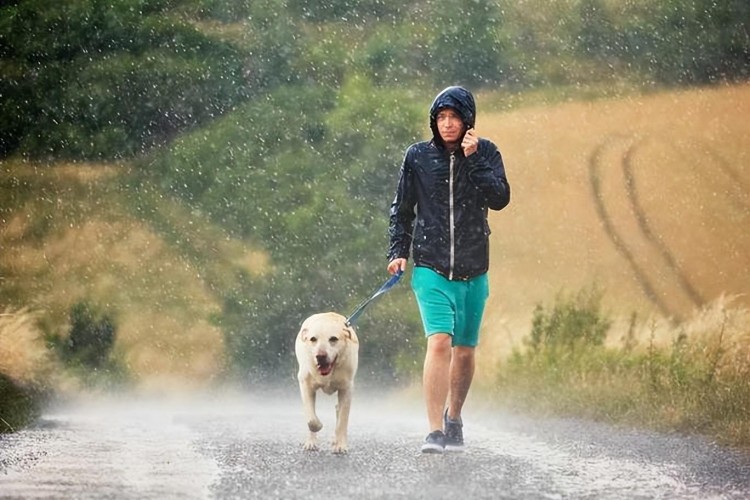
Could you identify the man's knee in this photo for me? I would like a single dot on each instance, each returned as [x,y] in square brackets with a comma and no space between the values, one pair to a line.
[439,343]
[463,354]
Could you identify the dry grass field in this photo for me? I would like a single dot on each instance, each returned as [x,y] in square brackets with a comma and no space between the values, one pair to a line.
[646,197]
[22,354]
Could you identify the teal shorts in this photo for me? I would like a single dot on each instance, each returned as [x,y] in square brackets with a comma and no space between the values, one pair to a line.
[452,307]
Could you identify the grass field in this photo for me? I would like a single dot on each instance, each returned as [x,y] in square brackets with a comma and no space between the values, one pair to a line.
[646,197]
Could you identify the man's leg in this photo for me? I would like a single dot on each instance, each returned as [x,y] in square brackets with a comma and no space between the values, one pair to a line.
[461,375]
[436,378]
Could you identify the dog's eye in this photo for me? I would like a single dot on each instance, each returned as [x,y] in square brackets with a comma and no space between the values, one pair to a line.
[313,339]
[333,340]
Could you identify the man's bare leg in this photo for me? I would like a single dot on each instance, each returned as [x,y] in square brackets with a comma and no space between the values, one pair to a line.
[461,375]
[436,378]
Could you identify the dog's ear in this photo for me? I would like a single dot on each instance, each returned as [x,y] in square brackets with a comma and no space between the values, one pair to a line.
[303,334]
[349,331]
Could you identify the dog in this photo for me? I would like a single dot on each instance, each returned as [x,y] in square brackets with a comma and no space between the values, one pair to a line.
[327,351]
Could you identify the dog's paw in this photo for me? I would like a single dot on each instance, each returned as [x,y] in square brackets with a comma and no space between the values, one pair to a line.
[339,448]
[310,445]
[314,425]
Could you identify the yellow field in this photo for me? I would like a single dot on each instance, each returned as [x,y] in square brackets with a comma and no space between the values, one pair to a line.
[647,197]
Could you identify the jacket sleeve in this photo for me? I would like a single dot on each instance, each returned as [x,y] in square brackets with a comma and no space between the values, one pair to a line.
[402,213]
[487,173]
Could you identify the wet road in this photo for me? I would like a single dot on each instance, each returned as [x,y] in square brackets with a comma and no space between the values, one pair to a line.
[249,446]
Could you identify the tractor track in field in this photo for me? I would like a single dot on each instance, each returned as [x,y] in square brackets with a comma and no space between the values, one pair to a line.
[654,265]
[614,236]
[648,232]
[738,192]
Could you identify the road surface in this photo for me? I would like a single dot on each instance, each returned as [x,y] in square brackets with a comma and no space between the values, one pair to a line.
[230,445]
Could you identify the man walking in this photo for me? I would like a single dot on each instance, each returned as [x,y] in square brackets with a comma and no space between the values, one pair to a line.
[439,214]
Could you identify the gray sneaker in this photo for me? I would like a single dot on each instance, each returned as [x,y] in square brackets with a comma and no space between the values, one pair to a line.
[434,442]
[454,434]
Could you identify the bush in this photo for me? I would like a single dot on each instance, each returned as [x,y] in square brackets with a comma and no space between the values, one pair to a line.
[698,383]
[574,323]
[19,405]
[91,339]
[25,369]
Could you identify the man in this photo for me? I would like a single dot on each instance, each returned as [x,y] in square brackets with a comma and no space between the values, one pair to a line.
[445,188]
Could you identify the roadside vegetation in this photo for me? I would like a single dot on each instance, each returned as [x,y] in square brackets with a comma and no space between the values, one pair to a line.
[183,181]
[25,365]
[690,377]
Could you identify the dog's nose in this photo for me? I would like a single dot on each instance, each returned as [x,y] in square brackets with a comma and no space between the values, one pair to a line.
[322,359]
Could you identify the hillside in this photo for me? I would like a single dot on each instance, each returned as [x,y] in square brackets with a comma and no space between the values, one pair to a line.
[647,197]
[154,266]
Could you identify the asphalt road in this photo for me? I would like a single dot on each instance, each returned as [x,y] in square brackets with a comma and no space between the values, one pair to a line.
[230,445]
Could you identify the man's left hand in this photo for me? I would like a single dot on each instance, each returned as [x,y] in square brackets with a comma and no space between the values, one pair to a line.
[470,142]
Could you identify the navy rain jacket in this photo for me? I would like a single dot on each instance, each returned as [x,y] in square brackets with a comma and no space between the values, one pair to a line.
[442,198]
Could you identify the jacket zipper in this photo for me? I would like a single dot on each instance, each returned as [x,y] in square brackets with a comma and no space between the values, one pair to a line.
[450,205]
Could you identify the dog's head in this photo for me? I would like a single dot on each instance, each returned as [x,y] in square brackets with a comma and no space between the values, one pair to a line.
[326,337]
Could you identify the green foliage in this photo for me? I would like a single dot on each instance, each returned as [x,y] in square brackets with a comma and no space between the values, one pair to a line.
[466,47]
[673,42]
[92,336]
[572,324]
[597,36]
[394,54]
[225,11]
[88,79]
[19,406]
[700,41]
[108,79]
[685,386]
[357,11]
[277,42]
[87,350]
[370,129]
[307,174]
[237,171]
[326,57]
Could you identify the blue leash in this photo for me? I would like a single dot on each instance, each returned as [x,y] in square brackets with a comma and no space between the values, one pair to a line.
[380,291]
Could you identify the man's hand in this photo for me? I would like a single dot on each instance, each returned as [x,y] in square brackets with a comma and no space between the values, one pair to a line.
[470,144]
[397,265]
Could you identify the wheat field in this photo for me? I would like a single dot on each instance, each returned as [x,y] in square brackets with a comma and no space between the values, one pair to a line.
[647,198]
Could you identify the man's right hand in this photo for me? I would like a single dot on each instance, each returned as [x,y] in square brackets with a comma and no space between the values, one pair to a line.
[396,265]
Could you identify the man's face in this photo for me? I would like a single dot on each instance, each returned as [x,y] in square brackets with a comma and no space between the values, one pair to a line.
[450,125]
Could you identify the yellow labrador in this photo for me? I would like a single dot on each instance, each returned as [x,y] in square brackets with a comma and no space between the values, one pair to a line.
[327,352]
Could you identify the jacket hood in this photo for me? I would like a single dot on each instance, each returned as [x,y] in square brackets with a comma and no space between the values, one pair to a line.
[457,98]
